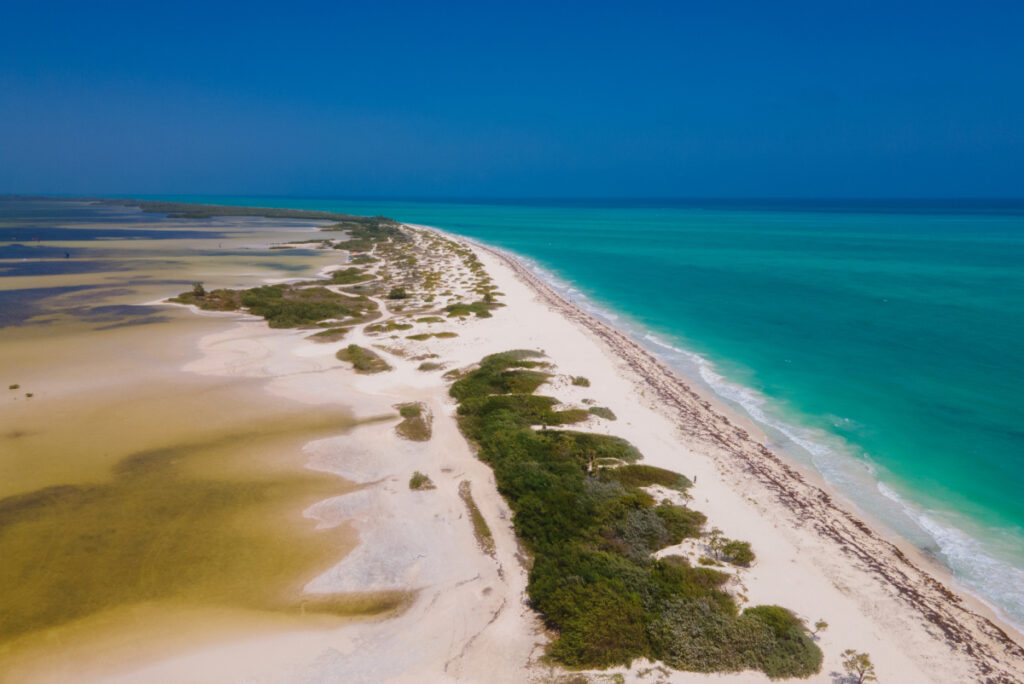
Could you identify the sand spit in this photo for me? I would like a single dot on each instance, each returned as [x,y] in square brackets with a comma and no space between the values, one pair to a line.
[465,617]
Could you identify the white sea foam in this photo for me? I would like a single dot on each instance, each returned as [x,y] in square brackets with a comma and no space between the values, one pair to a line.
[998,581]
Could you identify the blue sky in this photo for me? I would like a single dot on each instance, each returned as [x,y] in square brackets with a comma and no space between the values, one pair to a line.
[639,99]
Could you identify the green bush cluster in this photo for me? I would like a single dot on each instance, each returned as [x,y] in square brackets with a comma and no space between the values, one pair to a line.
[580,381]
[329,335]
[510,372]
[420,337]
[365,233]
[290,307]
[350,276]
[362,359]
[283,305]
[592,530]
[644,476]
[481,309]
[398,293]
[738,552]
[420,481]
[603,412]
[390,326]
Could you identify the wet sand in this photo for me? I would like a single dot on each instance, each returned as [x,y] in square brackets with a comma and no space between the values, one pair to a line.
[144,508]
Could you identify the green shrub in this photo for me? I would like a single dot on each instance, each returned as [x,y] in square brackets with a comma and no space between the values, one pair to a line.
[481,529]
[429,366]
[737,552]
[420,481]
[362,359]
[329,335]
[480,309]
[398,293]
[350,276]
[591,532]
[640,475]
[389,326]
[580,381]
[283,306]
[602,412]
[495,376]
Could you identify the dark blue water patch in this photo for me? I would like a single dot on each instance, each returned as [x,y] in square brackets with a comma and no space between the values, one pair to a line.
[31,233]
[44,305]
[291,268]
[17,307]
[108,316]
[49,267]
[20,250]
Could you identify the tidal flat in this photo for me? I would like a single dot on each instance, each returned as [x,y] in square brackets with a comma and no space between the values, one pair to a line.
[137,500]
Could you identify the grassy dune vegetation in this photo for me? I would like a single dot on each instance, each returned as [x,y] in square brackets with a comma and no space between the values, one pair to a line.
[362,359]
[350,276]
[592,531]
[289,305]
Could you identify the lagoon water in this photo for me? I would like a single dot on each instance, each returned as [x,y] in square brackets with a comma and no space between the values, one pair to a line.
[880,342]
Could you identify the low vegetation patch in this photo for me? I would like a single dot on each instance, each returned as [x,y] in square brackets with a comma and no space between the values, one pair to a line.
[289,305]
[430,366]
[580,381]
[362,359]
[329,335]
[420,481]
[592,532]
[390,326]
[430,319]
[420,337]
[415,423]
[602,412]
[480,309]
[350,276]
[729,550]
[481,529]
[510,372]
[639,475]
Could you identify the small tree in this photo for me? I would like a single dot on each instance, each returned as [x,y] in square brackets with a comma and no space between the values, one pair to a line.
[737,552]
[859,665]
[819,626]
[198,290]
[716,542]
[398,293]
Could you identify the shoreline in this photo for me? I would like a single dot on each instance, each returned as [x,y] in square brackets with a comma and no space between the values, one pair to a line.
[467,617]
[966,628]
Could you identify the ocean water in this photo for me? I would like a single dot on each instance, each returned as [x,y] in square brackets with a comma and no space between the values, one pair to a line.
[880,342]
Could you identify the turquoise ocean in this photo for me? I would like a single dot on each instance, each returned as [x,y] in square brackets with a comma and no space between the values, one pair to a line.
[880,342]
